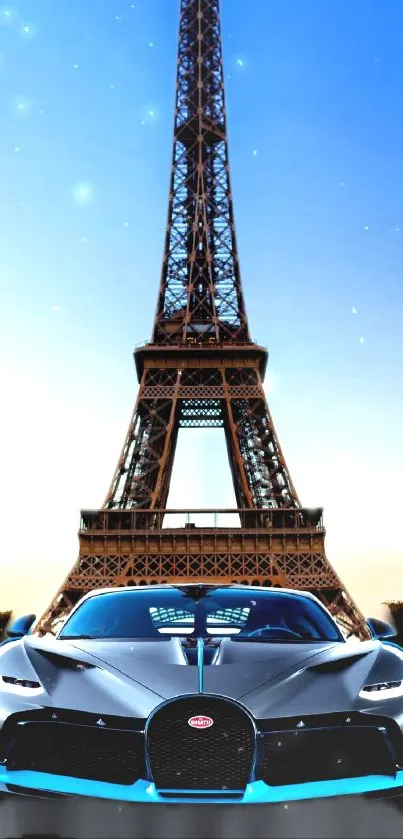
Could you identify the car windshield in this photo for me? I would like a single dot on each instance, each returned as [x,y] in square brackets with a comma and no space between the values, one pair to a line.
[152,613]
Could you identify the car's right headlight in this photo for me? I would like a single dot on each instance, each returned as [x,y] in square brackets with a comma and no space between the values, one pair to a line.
[382,690]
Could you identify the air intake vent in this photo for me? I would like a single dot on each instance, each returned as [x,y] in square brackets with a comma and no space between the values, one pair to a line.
[300,756]
[78,751]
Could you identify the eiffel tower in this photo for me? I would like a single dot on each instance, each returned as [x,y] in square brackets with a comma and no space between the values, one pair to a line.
[202,369]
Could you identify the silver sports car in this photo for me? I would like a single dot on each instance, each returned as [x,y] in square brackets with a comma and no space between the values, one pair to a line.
[203,693]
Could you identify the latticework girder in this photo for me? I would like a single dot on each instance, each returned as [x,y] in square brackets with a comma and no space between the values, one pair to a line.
[200,396]
[277,547]
[200,294]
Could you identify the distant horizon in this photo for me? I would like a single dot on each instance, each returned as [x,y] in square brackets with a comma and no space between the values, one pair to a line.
[316,154]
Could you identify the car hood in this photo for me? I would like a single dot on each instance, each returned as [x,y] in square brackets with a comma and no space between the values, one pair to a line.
[147,663]
[132,678]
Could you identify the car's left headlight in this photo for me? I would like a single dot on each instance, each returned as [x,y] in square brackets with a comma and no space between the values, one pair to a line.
[18,685]
[382,690]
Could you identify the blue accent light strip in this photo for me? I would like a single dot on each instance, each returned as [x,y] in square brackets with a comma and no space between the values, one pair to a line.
[200,663]
[143,791]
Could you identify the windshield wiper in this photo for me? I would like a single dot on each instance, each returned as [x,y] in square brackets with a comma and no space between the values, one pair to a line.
[262,640]
[80,637]
[113,638]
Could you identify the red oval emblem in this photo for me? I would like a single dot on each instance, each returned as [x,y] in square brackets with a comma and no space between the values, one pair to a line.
[200,722]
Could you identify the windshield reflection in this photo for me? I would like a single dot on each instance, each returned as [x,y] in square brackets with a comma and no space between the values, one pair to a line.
[157,613]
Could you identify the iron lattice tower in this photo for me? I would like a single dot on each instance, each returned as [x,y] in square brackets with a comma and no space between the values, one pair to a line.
[201,369]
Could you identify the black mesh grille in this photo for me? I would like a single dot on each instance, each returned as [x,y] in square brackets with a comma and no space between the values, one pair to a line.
[216,758]
[292,757]
[77,751]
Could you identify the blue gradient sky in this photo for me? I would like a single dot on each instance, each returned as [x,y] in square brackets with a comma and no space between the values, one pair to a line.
[316,147]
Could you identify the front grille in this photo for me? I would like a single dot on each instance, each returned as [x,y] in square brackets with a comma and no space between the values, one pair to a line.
[217,758]
[77,751]
[293,757]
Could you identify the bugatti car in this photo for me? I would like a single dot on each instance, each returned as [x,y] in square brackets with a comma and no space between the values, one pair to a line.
[200,693]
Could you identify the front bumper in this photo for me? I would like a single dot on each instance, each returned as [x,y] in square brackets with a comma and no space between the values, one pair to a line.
[143,792]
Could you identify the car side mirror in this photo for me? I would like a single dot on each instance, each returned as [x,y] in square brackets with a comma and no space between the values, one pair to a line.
[20,627]
[380,630]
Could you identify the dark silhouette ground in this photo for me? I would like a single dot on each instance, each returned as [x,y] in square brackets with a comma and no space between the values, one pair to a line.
[348,818]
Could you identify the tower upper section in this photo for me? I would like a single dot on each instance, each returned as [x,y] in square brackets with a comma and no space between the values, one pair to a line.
[200,297]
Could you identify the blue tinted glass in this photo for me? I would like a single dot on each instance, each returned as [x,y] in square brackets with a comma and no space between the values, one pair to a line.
[141,613]
[247,614]
[269,615]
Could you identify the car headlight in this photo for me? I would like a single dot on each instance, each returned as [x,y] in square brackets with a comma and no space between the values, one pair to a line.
[382,690]
[18,684]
